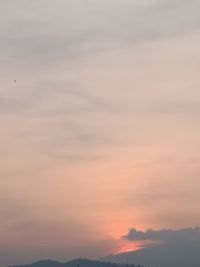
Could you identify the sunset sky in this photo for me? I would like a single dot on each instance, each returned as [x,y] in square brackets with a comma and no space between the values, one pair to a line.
[100,131]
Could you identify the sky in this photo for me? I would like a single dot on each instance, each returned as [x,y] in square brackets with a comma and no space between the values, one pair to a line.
[99,113]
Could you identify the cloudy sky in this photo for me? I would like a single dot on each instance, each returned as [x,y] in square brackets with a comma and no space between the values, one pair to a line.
[100,131]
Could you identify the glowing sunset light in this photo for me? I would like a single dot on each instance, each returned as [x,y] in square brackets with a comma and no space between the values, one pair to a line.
[127,246]
[99,112]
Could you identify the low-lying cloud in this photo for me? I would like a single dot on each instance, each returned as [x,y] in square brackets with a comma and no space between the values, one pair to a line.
[165,235]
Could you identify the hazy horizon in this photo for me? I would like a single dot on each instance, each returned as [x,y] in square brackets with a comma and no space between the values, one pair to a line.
[99,111]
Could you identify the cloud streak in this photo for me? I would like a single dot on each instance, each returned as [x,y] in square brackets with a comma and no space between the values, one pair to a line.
[166,235]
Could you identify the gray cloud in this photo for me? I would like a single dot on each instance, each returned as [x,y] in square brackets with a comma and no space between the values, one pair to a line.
[164,235]
[46,37]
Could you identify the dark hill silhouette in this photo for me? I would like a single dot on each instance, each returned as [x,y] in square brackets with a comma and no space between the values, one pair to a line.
[43,263]
[75,263]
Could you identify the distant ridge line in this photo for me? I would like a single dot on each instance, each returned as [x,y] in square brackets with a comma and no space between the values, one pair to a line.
[75,263]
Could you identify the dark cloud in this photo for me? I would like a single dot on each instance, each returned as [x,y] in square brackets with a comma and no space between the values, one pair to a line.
[164,235]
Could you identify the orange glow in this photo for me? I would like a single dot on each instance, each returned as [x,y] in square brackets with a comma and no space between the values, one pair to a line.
[118,230]
[127,246]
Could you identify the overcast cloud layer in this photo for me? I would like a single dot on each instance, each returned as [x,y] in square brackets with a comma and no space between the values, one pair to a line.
[101,129]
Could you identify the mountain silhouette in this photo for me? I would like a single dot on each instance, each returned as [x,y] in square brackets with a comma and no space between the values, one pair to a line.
[75,263]
[171,254]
